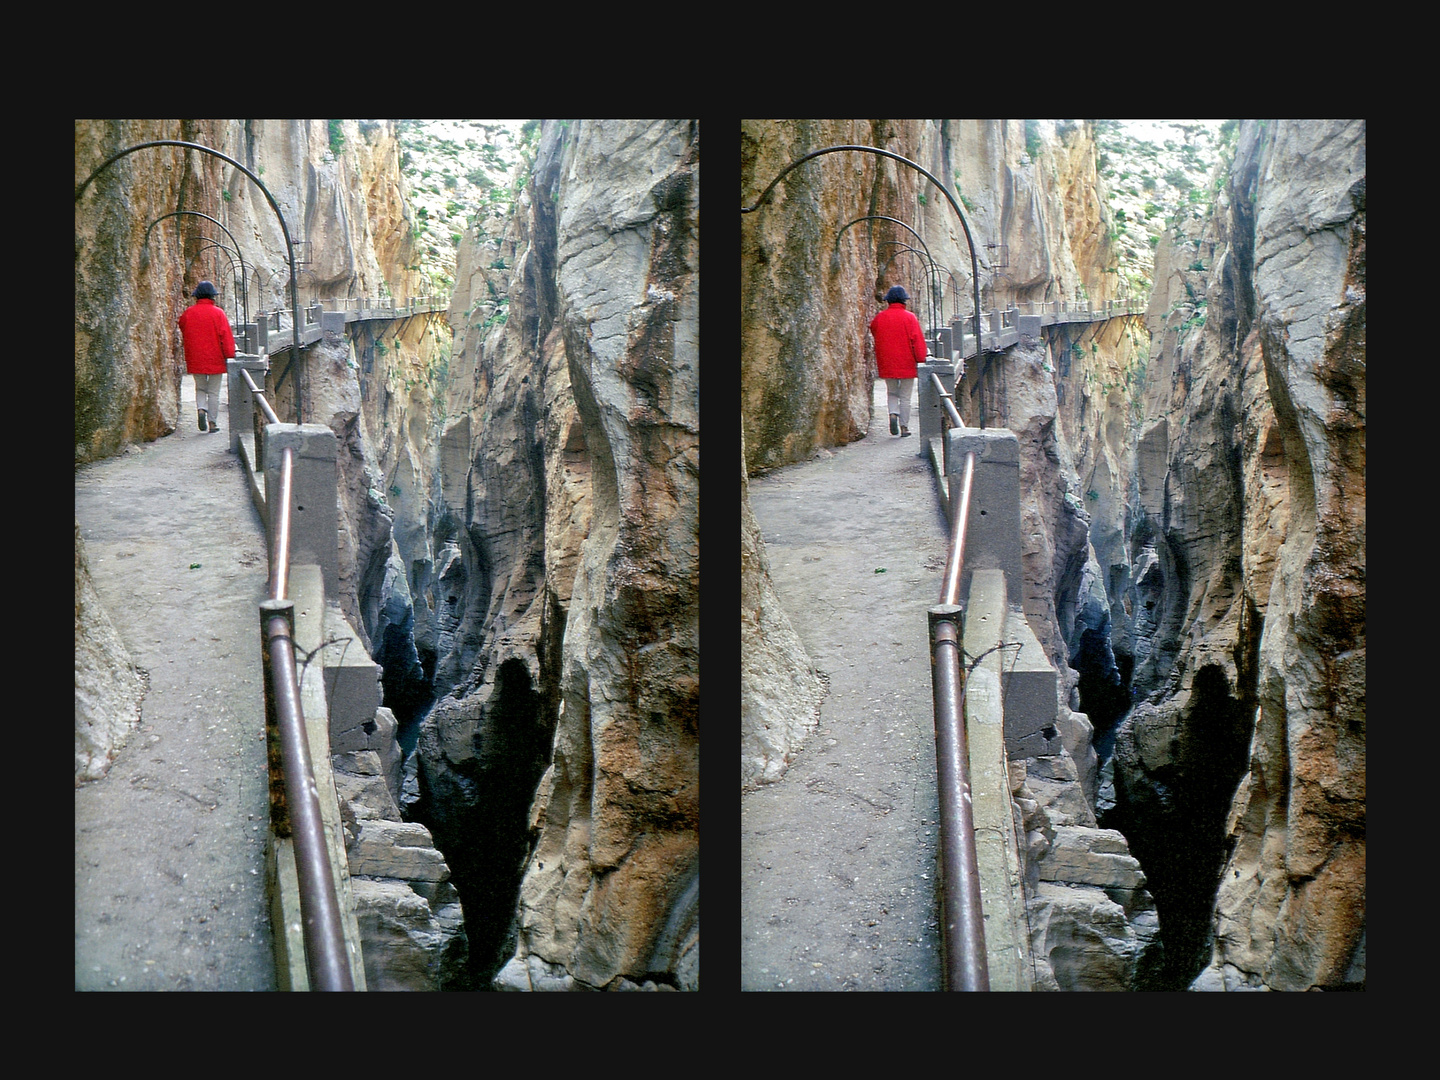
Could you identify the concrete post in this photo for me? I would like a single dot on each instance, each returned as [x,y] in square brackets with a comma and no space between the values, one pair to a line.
[993,533]
[314,524]
[931,407]
[242,402]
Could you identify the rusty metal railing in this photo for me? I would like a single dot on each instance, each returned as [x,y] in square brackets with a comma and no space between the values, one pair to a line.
[295,809]
[262,415]
[963,916]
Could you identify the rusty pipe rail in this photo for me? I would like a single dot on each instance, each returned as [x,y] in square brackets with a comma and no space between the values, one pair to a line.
[260,416]
[966,967]
[325,951]
[951,419]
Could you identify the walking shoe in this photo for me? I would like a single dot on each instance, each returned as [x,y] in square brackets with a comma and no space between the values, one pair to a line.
[214,427]
[202,419]
[904,432]
[894,423]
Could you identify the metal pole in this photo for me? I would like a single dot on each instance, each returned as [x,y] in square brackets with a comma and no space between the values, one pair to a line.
[325,950]
[964,931]
[950,592]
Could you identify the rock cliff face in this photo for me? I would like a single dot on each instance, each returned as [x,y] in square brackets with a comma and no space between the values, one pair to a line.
[1290,911]
[805,303]
[127,294]
[108,687]
[340,188]
[560,566]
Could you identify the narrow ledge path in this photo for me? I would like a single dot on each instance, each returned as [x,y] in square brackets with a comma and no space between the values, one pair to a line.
[169,846]
[839,859]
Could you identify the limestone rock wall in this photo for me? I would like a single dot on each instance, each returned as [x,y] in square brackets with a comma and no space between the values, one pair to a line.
[128,293]
[1235,576]
[1035,206]
[108,686]
[559,563]
[344,201]
[780,690]
[1290,914]
[805,361]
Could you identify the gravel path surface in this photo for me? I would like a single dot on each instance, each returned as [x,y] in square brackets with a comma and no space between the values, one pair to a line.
[839,860]
[169,846]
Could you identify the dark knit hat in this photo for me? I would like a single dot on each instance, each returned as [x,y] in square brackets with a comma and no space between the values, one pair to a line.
[205,289]
[896,295]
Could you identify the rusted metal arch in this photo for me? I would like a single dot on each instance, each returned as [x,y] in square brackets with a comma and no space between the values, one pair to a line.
[927,270]
[880,217]
[931,267]
[835,256]
[145,249]
[284,229]
[237,274]
[974,261]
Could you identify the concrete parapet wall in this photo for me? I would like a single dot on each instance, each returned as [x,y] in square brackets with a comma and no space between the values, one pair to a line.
[1031,688]
[242,401]
[931,419]
[352,682]
[997,848]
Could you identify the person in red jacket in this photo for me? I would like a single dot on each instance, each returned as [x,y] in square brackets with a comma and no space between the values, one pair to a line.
[208,344]
[899,347]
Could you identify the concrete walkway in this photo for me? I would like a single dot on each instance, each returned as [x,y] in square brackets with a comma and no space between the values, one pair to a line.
[169,846]
[839,860]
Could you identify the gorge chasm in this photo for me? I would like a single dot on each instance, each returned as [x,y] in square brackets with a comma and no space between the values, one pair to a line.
[518,519]
[1192,498]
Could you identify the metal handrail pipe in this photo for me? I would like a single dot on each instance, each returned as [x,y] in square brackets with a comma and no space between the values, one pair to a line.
[950,591]
[966,966]
[325,951]
[280,527]
[259,394]
[951,413]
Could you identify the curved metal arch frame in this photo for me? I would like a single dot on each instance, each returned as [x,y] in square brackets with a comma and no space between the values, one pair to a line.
[931,266]
[969,239]
[284,228]
[145,247]
[230,254]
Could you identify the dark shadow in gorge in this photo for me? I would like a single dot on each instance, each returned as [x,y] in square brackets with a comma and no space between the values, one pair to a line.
[478,812]
[1174,816]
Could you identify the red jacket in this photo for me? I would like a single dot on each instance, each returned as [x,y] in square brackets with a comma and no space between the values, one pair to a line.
[208,340]
[899,342]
